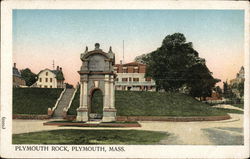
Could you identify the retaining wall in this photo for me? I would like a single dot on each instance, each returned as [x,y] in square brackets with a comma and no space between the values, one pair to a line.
[165,118]
[135,118]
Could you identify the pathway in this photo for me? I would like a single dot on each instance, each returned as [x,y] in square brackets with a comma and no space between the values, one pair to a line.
[226,132]
[226,106]
[64,102]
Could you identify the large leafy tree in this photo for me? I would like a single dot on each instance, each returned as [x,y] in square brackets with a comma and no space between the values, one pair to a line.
[200,81]
[29,77]
[172,66]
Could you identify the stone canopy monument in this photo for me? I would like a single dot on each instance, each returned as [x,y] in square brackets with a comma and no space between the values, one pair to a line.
[97,73]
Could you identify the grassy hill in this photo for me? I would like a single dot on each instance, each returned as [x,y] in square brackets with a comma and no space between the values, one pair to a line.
[137,103]
[34,100]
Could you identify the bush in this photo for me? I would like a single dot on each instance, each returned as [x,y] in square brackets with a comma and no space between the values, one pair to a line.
[34,100]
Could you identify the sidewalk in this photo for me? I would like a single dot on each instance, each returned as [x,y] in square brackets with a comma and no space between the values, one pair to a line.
[227,106]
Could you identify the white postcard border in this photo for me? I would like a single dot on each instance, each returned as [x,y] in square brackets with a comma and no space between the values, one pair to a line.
[135,151]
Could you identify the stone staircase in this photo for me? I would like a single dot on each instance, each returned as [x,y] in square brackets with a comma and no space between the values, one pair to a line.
[63,103]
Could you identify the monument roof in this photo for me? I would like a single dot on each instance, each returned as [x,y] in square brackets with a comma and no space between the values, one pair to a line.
[97,50]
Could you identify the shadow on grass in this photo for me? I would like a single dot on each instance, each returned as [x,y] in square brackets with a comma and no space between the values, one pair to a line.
[226,137]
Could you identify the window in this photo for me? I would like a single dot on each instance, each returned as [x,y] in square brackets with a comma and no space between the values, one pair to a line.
[50,86]
[136,70]
[50,79]
[125,70]
[135,79]
[45,86]
[46,73]
[130,79]
[124,79]
[46,79]
[40,79]
[117,79]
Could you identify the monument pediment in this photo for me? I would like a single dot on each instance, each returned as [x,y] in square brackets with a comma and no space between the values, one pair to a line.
[97,60]
[90,53]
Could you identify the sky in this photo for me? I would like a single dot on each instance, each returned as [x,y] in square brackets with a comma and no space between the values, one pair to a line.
[41,36]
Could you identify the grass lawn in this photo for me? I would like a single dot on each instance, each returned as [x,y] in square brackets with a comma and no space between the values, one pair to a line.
[80,137]
[138,103]
[34,100]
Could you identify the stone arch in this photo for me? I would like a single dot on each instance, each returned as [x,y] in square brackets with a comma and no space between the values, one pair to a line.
[97,74]
[96,105]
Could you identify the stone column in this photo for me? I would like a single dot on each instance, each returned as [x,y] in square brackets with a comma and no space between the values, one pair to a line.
[109,112]
[112,93]
[82,111]
[81,96]
[85,94]
[106,92]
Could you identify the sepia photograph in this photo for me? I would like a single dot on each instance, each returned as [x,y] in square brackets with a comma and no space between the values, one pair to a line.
[104,80]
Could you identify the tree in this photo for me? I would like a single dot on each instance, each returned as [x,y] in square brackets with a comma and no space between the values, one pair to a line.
[200,81]
[218,90]
[172,66]
[227,91]
[142,58]
[29,77]
[225,87]
[241,88]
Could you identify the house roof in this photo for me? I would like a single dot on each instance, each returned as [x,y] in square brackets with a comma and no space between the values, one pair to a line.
[130,64]
[16,72]
[59,74]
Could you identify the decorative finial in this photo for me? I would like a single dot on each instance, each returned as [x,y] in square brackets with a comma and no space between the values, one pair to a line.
[110,50]
[86,50]
[97,46]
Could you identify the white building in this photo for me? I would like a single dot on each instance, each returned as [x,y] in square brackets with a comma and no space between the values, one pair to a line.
[131,76]
[50,78]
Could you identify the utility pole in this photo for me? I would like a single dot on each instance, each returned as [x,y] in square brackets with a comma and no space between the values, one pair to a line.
[123,51]
[53,64]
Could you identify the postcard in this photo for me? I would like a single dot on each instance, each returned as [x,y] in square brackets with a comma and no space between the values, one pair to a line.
[125,79]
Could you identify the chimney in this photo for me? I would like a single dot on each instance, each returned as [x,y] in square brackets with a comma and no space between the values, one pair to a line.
[57,68]
[60,69]
[14,65]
